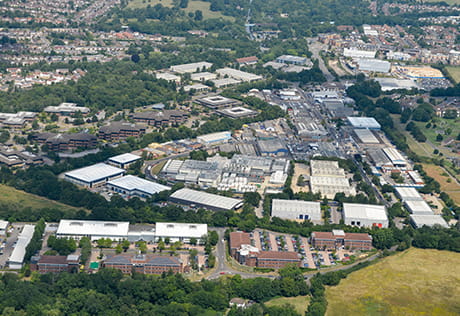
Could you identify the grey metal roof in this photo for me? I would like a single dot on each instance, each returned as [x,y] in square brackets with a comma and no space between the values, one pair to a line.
[204,198]
[131,183]
[95,172]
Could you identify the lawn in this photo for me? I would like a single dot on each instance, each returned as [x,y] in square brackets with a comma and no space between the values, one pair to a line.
[300,303]
[451,2]
[414,282]
[454,71]
[439,174]
[21,199]
[193,5]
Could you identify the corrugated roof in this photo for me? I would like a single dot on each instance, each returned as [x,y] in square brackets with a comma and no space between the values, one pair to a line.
[95,172]
[207,199]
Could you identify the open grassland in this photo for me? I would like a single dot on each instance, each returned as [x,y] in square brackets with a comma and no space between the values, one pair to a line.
[451,2]
[448,184]
[454,72]
[300,303]
[414,282]
[193,5]
[12,197]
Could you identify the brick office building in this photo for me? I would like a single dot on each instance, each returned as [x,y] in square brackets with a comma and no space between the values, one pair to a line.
[338,238]
[120,130]
[145,264]
[159,119]
[55,264]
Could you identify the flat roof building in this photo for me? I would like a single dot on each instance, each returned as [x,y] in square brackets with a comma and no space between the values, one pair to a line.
[191,67]
[217,101]
[93,229]
[290,59]
[124,160]
[366,136]
[206,200]
[363,122]
[131,186]
[3,227]
[427,220]
[67,109]
[180,231]
[408,194]
[16,259]
[237,112]
[94,176]
[395,157]
[365,215]
[418,207]
[374,65]
[214,138]
[297,210]
[238,74]
[339,239]
[329,179]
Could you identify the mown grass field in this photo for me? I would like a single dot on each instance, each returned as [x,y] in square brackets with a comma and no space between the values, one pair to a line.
[21,199]
[451,2]
[193,5]
[300,303]
[454,71]
[451,187]
[414,282]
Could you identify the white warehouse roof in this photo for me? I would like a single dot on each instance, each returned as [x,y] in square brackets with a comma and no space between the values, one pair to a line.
[374,65]
[214,137]
[124,158]
[95,172]
[291,209]
[238,74]
[206,199]
[418,207]
[180,230]
[131,183]
[408,194]
[17,256]
[363,122]
[92,228]
[365,211]
[428,220]
[190,68]
[366,136]
[394,155]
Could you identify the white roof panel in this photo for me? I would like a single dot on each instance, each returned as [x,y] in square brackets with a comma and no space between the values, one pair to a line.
[365,211]
[408,194]
[131,183]
[292,208]
[89,228]
[204,198]
[363,122]
[94,172]
[180,230]
[124,158]
[428,220]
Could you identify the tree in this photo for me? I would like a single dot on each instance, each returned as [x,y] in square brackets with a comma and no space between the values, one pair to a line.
[198,15]
[193,241]
[135,58]
[125,244]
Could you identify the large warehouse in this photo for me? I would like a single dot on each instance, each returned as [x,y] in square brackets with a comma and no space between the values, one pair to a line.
[329,179]
[191,68]
[374,65]
[365,215]
[363,122]
[134,186]
[124,160]
[205,200]
[94,176]
[427,220]
[180,231]
[93,229]
[366,136]
[297,210]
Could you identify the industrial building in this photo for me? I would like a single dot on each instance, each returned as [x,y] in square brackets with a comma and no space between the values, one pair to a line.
[396,158]
[238,74]
[356,53]
[124,160]
[366,136]
[363,122]
[3,227]
[217,101]
[237,112]
[203,76]
[374,65]
[182,232]
[95,230]
[16,259]
[94,176]
[272,147]
[168,77]
[365,215]
[131,186]
[290,59]
[297,210]
[408,194]
[225,82]
[338,239]
[191,68]
[431,220]
[388,84]
[66,109]
[206,200]
[214,138]
[329,179]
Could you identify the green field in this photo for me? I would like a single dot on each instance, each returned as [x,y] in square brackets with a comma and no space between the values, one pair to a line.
[414,282]
[454,72]
[21,200]
[300,303]
[451,2]
[193,5]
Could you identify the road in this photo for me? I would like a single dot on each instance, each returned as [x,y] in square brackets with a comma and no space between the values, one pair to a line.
[148,165]
[315,47]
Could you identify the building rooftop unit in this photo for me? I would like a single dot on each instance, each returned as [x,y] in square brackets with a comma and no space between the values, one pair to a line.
[95,172]
[363,122]
[212,201]
[366,136]
[191,67]
[296,209]
[428,220]
[395,156]
[124,159]
[238,74]
[133,183]
[173,230]
[89,228]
